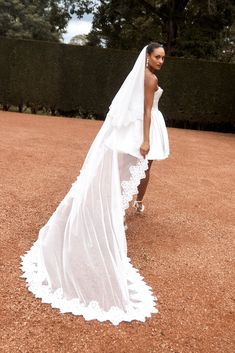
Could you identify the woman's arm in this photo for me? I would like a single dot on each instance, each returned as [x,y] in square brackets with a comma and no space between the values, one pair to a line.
[150,86]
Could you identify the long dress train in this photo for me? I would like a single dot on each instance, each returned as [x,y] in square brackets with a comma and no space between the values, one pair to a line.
[79,262]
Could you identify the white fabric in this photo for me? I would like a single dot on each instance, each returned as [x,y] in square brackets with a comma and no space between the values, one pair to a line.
[128,139]
[79,262]
[159,143]
[128,104]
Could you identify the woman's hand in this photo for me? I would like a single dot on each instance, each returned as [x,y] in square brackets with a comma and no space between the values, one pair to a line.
[144,148]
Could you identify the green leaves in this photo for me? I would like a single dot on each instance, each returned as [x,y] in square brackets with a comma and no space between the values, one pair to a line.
[41,20]
[193,29]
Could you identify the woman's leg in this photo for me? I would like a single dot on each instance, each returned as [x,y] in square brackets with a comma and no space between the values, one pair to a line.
[144,183]
[141,192]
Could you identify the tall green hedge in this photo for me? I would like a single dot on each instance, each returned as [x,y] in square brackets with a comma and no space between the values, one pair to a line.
[68,79]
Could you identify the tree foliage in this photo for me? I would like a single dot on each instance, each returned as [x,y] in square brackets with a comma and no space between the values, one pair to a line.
[188,28]
[79,39]
[35,19]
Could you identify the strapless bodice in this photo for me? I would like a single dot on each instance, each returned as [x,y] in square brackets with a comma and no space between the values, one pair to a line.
[156,98]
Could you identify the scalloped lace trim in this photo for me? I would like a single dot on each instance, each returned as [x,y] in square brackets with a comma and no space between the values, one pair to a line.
[129,187]
[142,301]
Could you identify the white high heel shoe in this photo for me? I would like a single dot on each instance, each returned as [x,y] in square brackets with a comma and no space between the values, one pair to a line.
[138,206]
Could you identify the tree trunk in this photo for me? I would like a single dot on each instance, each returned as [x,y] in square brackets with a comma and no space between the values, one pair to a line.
[173,7]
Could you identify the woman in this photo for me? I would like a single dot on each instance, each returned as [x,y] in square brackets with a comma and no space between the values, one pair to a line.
[159,145]
[79,262]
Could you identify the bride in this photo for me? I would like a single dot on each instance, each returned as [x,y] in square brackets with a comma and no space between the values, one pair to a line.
[79,262]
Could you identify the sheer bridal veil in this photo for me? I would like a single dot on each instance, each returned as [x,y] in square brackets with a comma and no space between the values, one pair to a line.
[79,262]
[128,104]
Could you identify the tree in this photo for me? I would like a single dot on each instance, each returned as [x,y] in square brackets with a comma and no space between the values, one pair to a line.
[40,20]
[227,52]
[124,25]
[79,39]
[188,28]
[206,30]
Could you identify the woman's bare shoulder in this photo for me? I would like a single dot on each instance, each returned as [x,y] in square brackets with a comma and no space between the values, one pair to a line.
[150,80]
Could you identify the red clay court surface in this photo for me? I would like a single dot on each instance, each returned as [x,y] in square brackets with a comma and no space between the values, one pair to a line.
[183,245]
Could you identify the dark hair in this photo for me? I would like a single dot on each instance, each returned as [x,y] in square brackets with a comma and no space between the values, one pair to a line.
[150,48]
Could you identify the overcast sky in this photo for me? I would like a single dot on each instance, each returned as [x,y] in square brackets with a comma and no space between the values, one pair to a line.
[76,26]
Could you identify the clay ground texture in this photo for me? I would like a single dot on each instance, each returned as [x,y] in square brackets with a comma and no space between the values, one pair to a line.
[183,245]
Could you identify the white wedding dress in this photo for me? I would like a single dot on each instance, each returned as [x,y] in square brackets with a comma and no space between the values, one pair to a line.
[79,262]
[129,138]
